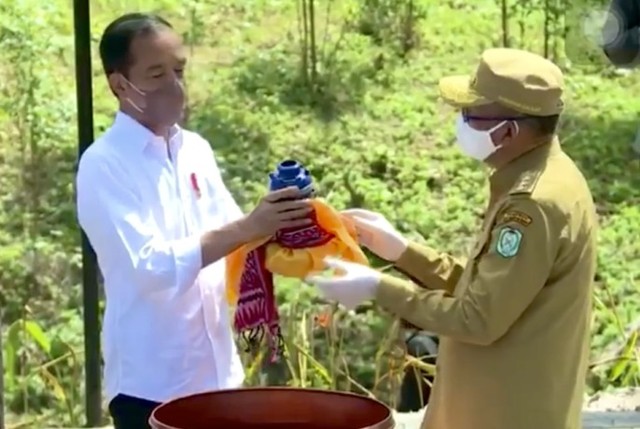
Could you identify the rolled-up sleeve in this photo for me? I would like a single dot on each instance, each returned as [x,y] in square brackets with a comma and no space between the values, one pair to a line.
[123,233]
[506,278]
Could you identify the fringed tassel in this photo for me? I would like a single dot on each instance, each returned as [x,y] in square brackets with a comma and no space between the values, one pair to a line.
[252,338]
[257,312]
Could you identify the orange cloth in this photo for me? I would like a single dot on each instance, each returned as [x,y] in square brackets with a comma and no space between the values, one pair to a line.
[298,263]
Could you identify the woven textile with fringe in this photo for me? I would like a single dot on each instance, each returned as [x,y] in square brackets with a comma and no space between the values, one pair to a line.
[291,253]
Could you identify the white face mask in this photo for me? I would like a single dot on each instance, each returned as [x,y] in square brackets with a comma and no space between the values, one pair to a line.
[475,143]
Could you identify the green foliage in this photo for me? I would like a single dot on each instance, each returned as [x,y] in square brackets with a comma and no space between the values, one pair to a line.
[42,368]
[37,238]
[394,23]
[358,105]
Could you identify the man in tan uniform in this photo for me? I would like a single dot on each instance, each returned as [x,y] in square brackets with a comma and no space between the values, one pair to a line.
[514,319]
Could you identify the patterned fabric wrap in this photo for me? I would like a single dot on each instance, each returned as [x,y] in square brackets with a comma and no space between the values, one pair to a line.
[291,253]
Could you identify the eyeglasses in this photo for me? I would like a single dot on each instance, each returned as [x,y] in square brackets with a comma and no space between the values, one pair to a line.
[466,118]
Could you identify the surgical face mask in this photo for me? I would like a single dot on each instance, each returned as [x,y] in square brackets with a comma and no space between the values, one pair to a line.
[163,106]
[474,143]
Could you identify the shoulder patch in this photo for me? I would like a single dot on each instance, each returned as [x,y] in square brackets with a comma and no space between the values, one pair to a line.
[527,183]
[516,216]
[509,240]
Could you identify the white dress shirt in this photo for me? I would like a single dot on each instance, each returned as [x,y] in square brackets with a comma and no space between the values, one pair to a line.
[166,329]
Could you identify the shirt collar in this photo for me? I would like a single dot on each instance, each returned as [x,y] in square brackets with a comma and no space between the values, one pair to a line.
[137,135]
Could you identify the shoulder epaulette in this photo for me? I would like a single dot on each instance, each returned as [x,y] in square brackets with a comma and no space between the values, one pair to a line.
[527,183]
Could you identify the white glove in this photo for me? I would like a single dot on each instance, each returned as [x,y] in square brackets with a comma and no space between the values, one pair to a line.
[377,234]
[350,286]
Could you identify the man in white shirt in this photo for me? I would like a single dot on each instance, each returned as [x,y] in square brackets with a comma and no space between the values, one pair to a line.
[153,204]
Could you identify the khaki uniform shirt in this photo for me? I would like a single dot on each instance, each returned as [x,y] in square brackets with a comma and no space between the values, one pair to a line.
[514,320]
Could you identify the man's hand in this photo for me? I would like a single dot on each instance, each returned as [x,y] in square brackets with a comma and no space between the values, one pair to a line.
[377,234]
[351,285]
[277,210]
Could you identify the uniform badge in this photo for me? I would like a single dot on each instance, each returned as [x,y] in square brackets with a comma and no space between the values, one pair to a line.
[509,240]
[516,216]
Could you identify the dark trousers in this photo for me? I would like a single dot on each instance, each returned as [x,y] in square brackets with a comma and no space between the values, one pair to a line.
[131,413]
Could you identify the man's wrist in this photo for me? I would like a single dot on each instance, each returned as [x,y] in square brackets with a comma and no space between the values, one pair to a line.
[243,230]
[217,244]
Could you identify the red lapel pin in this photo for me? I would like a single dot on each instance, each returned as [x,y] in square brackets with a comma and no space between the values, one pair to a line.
[195,185]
